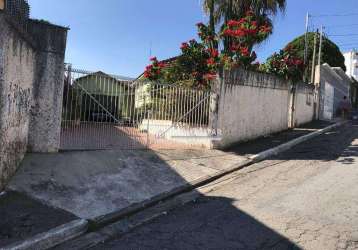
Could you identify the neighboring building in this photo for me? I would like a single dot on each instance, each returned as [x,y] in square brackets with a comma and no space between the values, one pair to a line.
[351,61]
[102,94]
[354,93]
[333,85]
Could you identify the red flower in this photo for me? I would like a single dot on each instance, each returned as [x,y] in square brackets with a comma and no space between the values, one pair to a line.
[147,74]
[213,52]
[210,61]
[161,65]
[298,62]
[209,76]
[228,32]
[153,59]
[184,46]
[233,23]
[239,33]
[245,51]
[249,13]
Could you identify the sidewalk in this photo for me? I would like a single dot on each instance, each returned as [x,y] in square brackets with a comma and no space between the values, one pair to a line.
[94,184]
[103,186]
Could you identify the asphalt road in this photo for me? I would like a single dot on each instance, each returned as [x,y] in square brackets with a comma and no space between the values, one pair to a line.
[306,198]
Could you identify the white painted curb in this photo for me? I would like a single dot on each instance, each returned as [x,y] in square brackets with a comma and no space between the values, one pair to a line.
[52,237]
[284,147]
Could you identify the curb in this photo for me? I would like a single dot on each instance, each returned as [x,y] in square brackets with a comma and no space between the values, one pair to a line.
[123,221]
[52,237]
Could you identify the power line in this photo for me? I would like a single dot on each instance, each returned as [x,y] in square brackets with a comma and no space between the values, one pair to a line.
[334,15]
[347,44]
[341,26]
[344,35]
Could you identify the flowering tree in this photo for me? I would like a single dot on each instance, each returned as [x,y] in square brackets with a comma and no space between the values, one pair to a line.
[199,62]
[154,71]
[241,35]
[285,64]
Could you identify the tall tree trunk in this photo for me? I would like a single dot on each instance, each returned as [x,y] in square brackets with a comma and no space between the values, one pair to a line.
[228,16]
[212,22]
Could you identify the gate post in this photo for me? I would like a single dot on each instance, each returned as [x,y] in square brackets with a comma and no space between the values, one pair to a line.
[214,105]
[45,123]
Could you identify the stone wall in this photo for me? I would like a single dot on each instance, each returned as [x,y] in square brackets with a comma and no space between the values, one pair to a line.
[251,105]
[31,82]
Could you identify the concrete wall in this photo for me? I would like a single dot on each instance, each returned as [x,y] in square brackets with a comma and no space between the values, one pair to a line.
[31,82]
[251,105]
[48,87]
[304,104]
[335,78]
[17,65]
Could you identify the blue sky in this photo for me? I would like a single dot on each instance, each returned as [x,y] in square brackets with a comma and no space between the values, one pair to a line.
[117,36]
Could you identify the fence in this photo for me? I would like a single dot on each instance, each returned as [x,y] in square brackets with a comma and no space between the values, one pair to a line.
[102,111]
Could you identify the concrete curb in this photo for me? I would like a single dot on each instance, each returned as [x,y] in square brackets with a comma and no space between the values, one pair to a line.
[286,146]
[52,237]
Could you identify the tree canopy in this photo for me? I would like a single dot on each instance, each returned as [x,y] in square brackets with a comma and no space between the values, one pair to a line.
[224,10]
[330,51]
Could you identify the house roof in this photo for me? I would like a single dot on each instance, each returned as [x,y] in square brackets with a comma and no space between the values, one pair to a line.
[101,73]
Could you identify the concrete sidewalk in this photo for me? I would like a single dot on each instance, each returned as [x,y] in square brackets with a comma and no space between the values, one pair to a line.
[93,184]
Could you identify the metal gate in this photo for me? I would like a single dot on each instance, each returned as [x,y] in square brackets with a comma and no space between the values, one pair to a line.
[102,111]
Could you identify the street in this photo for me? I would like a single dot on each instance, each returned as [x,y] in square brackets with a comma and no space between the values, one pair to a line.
[306,198]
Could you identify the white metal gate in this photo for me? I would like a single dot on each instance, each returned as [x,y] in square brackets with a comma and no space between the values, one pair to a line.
[101,111]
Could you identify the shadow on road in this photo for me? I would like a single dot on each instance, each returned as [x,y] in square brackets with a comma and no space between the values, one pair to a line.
[209,223]
[334,145]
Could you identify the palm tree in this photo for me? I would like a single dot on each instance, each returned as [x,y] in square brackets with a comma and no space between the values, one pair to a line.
[223,10]
[220,11]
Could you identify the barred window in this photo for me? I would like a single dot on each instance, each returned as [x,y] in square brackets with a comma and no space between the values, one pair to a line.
[17,8]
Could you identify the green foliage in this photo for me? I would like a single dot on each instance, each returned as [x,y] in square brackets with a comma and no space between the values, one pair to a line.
[330,51]
[284,64]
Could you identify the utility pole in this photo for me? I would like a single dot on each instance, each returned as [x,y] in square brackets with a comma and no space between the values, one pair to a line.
[306,38]
[320,46]
[314,58]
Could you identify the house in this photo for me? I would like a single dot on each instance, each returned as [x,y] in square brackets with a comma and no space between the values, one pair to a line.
[143,89]
[351,61]
[99,96]
[333,84]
